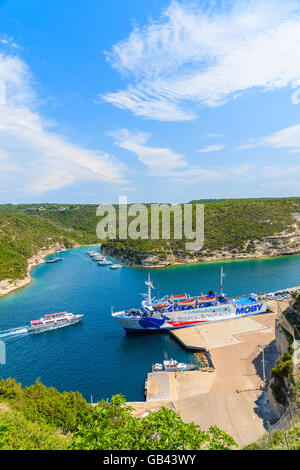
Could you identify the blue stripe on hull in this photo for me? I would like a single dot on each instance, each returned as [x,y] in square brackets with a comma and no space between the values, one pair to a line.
[137,330]
[144,330]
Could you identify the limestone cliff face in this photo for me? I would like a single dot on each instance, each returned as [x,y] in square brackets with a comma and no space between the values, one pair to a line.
[281,244]
[281,386]
[276,407]
[282,346]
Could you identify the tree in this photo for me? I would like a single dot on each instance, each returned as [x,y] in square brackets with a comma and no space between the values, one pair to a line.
[112,427]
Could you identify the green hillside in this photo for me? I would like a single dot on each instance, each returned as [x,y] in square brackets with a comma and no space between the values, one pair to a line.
[228,225]
[24,229]
[22,236]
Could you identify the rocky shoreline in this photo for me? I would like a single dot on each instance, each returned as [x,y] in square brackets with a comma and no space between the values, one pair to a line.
[9,285]
[280,244]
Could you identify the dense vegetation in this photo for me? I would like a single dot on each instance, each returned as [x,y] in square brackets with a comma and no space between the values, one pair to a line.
[24,229]
[65,411]
[284,372]
[80,218]
[228,225]
[38,417]
[287,439]
[22,236]
[18,433]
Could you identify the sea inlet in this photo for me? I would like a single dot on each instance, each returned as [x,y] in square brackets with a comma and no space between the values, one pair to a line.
[96,357]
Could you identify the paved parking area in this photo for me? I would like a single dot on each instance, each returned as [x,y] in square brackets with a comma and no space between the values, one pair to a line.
[219,334]
[231,396]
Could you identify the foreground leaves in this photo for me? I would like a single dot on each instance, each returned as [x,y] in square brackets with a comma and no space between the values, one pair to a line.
[112,427]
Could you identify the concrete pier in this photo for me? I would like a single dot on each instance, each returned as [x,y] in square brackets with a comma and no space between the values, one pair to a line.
[230,396]
[158,387]
[217,335]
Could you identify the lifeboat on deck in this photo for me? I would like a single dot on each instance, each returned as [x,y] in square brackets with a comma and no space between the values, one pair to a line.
[187,303]
[159,306]
[178,297]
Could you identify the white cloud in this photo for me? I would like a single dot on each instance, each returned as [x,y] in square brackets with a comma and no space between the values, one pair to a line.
[244,147]
[284,138]
[34,160]
[9,41]
[242,170]
[213,135]
[158,160]
[284,176]
[212,148]
[281,178]
[288,137]
[280,172]
[165,163]
[196,54]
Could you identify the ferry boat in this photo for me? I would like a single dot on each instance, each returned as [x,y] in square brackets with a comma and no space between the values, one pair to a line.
[172,366]
[182,311]
[53,321]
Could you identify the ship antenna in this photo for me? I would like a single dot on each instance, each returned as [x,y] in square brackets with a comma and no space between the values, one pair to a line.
[150,286]
[222,276]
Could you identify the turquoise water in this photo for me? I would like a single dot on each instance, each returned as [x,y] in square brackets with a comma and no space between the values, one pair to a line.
[96,357]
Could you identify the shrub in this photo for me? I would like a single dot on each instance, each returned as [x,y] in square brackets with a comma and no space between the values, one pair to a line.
[17,433]
[65,411]
[112,427]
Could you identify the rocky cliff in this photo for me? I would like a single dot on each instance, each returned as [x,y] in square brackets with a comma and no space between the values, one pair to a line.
[285,243]
[285,378]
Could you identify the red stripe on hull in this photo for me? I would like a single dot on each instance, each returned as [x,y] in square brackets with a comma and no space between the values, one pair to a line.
[185,323]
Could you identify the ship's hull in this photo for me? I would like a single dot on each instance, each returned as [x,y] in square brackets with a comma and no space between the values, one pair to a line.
[177,369]
[185,319]
[43,328]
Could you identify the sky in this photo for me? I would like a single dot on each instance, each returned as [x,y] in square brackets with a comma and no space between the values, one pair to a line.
[159,101]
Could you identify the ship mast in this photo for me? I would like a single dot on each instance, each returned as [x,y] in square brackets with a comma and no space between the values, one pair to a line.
[150,286]
[222,276]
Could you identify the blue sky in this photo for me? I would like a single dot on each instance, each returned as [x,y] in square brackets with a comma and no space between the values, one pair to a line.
[159,100]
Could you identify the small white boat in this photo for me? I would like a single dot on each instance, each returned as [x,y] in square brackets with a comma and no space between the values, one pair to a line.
[54,260]
[172,366]
[92,253]
[116,266]
[98,258]
[104,263]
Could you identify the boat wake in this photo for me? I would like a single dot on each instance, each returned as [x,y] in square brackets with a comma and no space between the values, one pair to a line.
[13,332]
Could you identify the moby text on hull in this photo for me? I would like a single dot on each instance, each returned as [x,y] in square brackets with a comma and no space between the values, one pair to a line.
[182,311]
